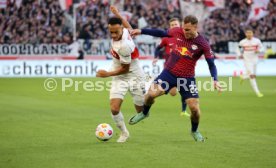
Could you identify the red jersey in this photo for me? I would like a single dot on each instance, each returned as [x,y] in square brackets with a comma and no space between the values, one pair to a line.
[184,55]
[169,44]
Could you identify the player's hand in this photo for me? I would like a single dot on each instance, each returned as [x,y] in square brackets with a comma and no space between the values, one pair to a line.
[102,73]
[154,61]
[114,10]
[135,32]
[217,86]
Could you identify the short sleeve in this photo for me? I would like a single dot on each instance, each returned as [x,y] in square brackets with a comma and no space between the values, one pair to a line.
[240,43]
[125,54]
[163,42]
[260,46]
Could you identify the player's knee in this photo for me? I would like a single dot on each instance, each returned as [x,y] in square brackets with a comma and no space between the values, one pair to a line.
[173,92]
[151,95]
[115,108]
[252,76]
[115,111]
[194,106]
[194,109]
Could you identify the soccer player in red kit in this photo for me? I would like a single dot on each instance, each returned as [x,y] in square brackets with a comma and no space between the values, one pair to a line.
[168,43]
[180,70]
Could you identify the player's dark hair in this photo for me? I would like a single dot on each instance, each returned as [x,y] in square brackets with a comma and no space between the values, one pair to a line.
[174,19]
[115,20]
[248,29]
[190,19]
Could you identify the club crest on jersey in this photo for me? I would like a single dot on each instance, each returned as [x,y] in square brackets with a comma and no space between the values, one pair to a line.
[184,51]
[194,47]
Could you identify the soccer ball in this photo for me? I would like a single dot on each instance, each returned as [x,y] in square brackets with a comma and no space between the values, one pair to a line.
[104,132]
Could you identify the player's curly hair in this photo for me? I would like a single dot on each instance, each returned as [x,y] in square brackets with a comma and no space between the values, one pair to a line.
[114,20]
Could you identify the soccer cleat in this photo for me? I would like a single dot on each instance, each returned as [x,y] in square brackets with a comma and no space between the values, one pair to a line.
[123,137]
[197,136]
[260,95]
[138,117]
[185,113]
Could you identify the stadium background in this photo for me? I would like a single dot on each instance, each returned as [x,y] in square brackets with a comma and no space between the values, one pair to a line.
[69,38]
[70,30]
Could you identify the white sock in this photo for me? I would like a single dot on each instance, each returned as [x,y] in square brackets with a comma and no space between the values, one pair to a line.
[119,120]
[254,85]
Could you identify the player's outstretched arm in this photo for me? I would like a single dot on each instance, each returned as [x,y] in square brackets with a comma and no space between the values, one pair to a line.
[151,32]
[116,12]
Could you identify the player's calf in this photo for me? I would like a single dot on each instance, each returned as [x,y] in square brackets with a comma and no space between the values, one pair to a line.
[193,104]
[115,105]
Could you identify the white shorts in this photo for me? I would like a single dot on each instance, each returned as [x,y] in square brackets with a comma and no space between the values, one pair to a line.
[120,86]
[250,67]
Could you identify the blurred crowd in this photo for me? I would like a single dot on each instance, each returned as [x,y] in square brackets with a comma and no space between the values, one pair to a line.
[34,22]
[228,24]
[92,18]
[221,26]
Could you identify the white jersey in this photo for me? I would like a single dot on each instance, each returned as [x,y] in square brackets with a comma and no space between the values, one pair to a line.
[125,52]
[251,48]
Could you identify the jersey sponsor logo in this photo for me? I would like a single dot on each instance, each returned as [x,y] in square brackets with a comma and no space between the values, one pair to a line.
[183,51]
[250,48]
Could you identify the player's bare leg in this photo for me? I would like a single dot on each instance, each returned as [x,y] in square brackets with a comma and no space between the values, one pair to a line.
[173,91]
[139,109]
[117,116]
[255,86]
[154,91]
[193,104]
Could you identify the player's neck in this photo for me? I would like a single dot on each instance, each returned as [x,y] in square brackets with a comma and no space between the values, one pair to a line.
[195,36]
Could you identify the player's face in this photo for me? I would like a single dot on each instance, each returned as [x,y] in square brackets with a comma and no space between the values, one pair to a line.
[174,24]
[116,31]
[190,30]
[249,34]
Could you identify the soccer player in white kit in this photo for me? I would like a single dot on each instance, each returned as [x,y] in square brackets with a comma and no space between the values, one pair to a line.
[250,47]
[126,72]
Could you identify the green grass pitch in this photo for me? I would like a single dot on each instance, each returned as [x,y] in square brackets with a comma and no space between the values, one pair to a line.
[41,129]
